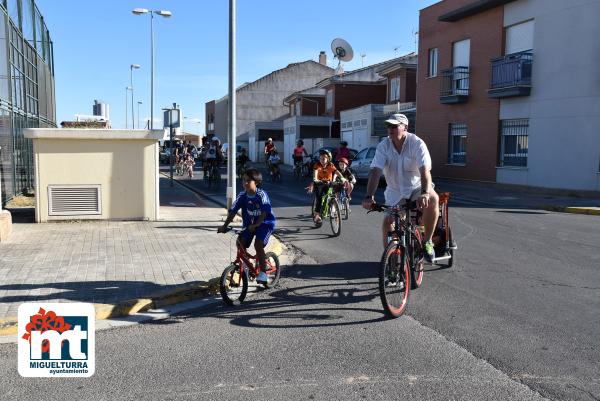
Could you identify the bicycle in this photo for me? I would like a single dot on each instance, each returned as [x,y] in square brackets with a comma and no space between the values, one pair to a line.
[306,170]
[330,208]
[297,168]
[214,175]
[241,169]
[179,166]
[344,202]
[233,284]
[275,173]
[402,263]
[401,267]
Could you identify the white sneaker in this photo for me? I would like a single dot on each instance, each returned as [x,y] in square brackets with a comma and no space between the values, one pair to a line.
[262,278]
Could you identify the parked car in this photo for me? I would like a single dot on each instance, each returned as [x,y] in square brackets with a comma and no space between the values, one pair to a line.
[361,165]
[225,149]
[315,156]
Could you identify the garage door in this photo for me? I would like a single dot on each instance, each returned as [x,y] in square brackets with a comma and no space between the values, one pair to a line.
[347,136]
[361,139]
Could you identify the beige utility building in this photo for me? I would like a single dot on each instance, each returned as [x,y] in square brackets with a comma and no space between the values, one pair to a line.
[95,174]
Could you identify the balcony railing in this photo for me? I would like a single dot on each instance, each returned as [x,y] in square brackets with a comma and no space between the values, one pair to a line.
[454,85]
[511,75]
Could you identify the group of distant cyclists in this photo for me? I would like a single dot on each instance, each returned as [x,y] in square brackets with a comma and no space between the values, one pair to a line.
[402,157]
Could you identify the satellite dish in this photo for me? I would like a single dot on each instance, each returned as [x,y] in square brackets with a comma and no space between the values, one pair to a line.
[342,49]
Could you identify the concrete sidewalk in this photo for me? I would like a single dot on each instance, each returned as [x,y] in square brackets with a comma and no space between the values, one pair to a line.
[121,267]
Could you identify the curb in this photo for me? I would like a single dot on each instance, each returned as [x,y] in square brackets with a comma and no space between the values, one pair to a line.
[572,209]
[184,293]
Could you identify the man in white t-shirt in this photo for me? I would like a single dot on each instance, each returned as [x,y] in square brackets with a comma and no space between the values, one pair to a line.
[404,160]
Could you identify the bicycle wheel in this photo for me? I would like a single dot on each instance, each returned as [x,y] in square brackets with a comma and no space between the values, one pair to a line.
[451,241]
[273,269]
[233,285]
[394,280]
[346,208]
[216,176]
[335,217]
[418,263]
[305,171]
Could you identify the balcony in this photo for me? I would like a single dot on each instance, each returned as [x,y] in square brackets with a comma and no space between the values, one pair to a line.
[511,75]
[454,85]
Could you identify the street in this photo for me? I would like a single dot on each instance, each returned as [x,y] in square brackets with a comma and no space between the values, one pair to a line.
[516,318]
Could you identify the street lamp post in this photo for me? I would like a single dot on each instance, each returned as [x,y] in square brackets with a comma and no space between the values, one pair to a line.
[162,13]
[138,103]
[127,89]
[136,66]
[231,174]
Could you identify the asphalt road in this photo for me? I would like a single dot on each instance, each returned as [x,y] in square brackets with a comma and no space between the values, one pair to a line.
[517,317]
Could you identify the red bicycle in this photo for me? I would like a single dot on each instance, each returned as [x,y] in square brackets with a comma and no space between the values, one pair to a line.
[234,279]
[402,263]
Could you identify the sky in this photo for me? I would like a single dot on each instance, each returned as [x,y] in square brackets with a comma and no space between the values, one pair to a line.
[95,42]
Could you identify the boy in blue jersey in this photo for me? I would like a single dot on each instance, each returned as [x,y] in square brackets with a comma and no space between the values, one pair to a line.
[257,216]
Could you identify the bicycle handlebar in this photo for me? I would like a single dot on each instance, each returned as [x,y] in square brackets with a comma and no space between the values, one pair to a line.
[234,229]
[376,207]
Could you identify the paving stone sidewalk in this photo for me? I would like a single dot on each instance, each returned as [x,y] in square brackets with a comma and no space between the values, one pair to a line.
[109,262]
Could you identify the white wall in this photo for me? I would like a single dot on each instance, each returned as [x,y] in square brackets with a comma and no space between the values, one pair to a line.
[361,136]
[564,105]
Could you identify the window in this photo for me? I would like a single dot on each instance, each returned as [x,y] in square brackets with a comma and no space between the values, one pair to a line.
[329,100]
[361,154]
[433,62]
[457,143]
[514,142]
[297,106]
[27,20]
[461,53]
[519,37]
[371,153]
[395,89]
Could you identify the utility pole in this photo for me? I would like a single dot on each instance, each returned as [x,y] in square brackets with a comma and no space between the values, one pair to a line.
[172,119]
[231,174]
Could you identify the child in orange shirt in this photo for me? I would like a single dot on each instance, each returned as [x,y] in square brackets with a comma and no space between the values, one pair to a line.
[323,175]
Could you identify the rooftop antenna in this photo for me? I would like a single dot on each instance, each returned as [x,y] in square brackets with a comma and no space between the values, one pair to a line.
[396,50]
[363,59]
[416,35]
[342,51]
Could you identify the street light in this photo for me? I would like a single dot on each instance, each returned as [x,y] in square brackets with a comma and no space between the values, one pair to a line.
[127,89]
[136,66]
[139,102]
[162,13]
[194,120]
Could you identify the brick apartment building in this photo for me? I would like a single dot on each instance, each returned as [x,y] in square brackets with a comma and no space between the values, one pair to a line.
[507,91]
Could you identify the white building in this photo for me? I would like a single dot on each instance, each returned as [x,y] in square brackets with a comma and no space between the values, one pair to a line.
[551,138]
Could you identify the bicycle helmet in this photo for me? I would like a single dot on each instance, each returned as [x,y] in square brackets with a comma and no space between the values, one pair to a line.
[300,142]
[325,152]
[215,139]
[344,143]
[343,160]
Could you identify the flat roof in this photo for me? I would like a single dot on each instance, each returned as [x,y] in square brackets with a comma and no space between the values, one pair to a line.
[471,9]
